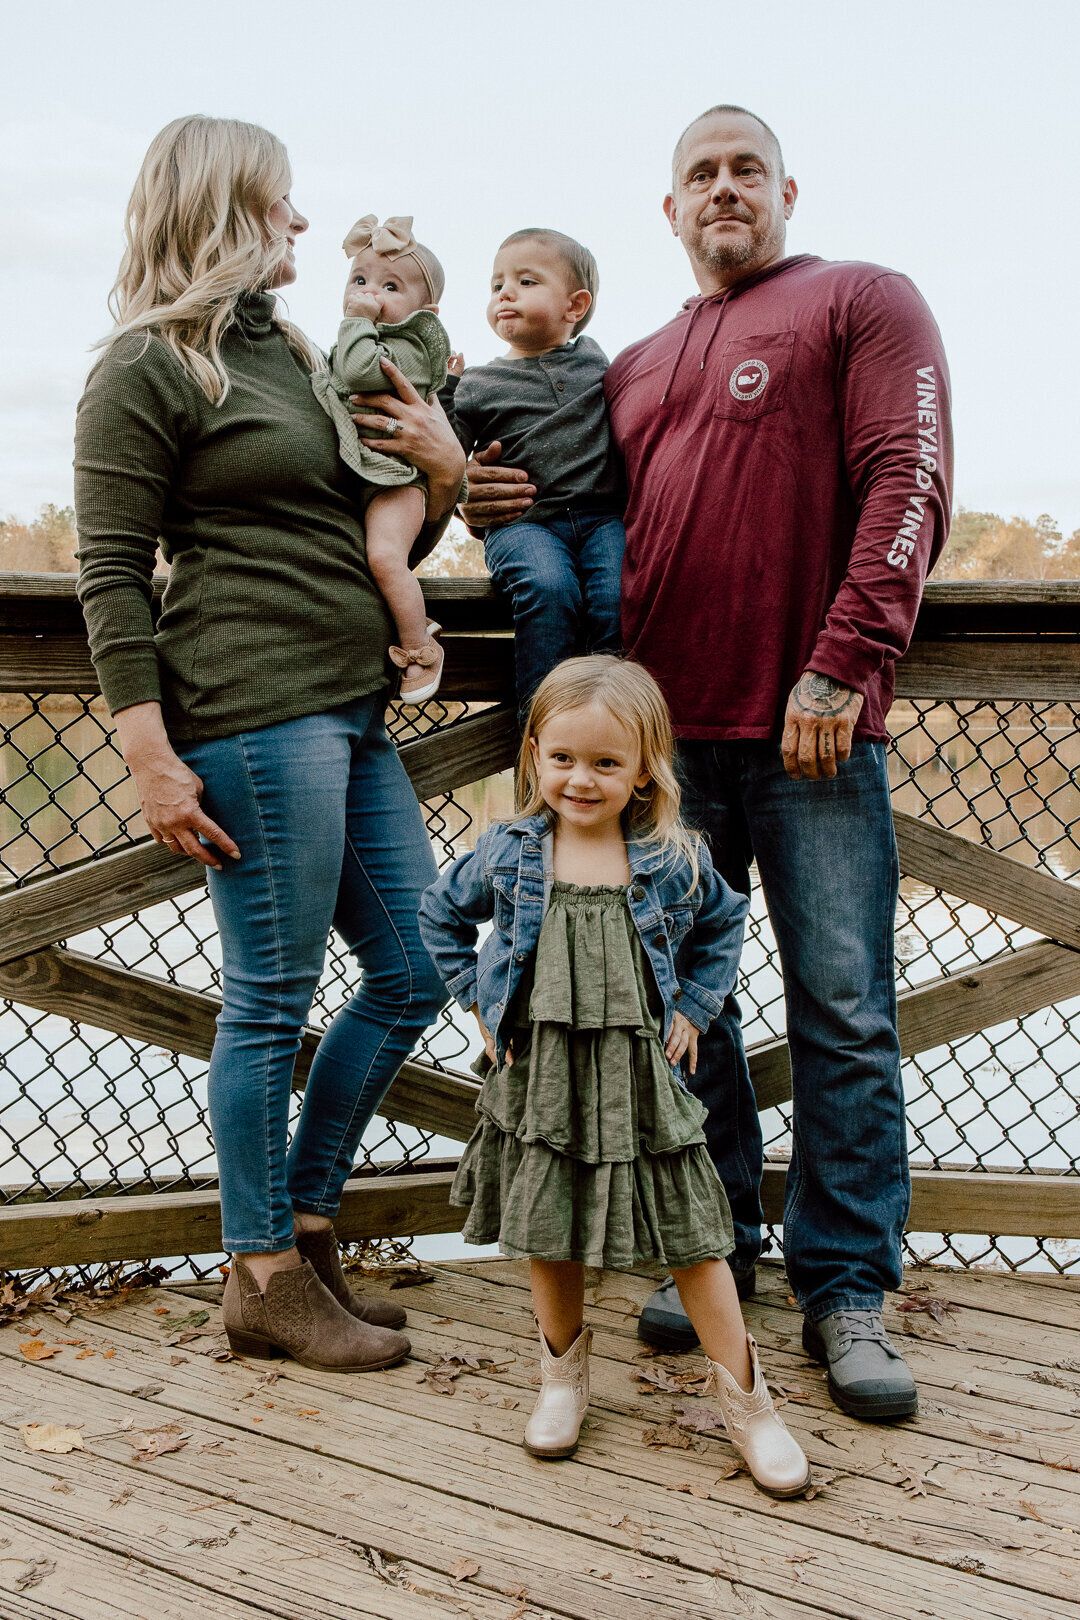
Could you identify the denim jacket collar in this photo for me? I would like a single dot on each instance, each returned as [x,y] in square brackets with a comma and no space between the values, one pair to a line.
[644,857]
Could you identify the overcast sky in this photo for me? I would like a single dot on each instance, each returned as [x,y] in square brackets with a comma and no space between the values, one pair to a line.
[939,139]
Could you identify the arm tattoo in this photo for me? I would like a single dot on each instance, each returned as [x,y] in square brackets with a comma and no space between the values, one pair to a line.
[821,695]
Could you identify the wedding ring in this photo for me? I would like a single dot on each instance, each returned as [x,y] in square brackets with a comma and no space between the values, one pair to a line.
[391,426]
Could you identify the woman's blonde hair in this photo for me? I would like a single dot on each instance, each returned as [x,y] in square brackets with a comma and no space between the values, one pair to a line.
[198,235]
[631,697]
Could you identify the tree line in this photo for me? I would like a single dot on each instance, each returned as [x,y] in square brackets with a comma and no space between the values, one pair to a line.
[982,545]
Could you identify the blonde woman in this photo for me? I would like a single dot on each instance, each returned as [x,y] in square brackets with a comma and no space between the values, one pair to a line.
[614,945]
[251,715]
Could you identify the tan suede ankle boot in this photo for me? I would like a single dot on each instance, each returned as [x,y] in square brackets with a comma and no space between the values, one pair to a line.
[555,1423]
[299,1317]
[321,1249]
[774,1457]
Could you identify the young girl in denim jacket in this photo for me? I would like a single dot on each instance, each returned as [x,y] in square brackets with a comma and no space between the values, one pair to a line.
[614,945]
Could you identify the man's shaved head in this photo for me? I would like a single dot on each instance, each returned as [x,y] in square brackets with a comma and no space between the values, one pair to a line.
[736,112]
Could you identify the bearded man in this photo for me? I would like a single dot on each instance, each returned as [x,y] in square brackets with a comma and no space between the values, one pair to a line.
[788,458]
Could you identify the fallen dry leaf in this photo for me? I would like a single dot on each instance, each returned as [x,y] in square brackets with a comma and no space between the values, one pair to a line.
[938,1309]
[119,1501]
[62,1486]
[691,1382]
[150,1443]
[464,1569]
[414,1279]
[308,1411]
[820,1479]
[732,1469]
[509,1404]
[37,1350]
[694,1490]
[82,1355]
[107,1355]
[701,1419]
[50,1437]
[145,1391]
[787,1392]
[178,1361]
[913,1483]
[667,1434]
[36,1571]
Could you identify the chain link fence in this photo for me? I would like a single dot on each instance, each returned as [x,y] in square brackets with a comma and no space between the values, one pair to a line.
[84,1112]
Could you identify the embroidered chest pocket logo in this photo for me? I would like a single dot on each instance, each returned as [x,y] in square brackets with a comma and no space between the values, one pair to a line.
[754,376]
[749,380]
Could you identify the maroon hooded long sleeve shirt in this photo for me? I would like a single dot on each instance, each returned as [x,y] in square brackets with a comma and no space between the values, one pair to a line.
[788,455]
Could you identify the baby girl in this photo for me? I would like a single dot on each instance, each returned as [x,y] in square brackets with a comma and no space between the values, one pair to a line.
[391,312]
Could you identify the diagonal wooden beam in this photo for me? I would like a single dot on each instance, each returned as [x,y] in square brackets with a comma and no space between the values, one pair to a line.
[97,892]
[145,1008]
[988,879]
[1008,986]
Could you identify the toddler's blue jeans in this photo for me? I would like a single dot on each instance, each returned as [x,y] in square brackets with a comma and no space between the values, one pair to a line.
[826,854]
[562,578]
[329,832]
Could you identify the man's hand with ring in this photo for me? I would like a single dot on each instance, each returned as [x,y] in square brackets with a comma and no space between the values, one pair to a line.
[497,495]
[818,726]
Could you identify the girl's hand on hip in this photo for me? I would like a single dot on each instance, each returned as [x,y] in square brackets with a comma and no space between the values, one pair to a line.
[489,1039]
[682,1040]
[423,437]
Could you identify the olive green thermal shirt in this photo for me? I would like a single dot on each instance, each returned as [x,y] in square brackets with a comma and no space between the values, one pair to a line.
[270,611]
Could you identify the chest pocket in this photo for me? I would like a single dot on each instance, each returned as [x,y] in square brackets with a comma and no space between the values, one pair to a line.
[753,376]
[679,919]
[505,890]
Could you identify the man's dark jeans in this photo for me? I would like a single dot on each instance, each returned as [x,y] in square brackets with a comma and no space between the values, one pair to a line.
[826,854]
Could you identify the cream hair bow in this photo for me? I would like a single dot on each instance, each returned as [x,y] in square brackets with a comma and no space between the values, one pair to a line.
[393,239]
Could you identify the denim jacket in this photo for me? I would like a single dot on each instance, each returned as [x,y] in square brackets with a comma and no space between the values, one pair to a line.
[692,941]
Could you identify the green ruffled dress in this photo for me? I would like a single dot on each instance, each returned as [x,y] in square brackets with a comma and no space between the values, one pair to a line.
[587,1148]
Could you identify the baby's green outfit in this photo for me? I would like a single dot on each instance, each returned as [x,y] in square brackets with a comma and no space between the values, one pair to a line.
[418,346]
[587,1149]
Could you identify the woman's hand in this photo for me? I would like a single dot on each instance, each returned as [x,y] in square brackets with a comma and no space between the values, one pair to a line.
[423,437]
[169,792]
[683,1039]
[497,495]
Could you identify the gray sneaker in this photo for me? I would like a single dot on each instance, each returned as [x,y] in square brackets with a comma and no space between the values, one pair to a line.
[868,1376]
[665,1325]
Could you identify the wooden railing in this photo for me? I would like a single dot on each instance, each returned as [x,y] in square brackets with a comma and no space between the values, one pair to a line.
[983,641]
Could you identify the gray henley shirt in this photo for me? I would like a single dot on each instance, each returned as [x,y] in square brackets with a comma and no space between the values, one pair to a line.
[550,417]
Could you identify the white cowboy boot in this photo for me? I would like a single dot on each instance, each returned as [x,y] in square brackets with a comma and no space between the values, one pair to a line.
[774,1457]
[555,1423]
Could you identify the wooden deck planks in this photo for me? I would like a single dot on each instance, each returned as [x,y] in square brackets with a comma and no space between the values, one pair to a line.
[415,1480]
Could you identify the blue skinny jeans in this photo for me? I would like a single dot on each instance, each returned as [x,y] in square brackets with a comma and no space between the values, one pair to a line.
[826,854]
[329,832]
[562,578]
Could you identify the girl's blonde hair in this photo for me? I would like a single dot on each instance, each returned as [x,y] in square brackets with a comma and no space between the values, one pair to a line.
[631,697]
[198,235]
